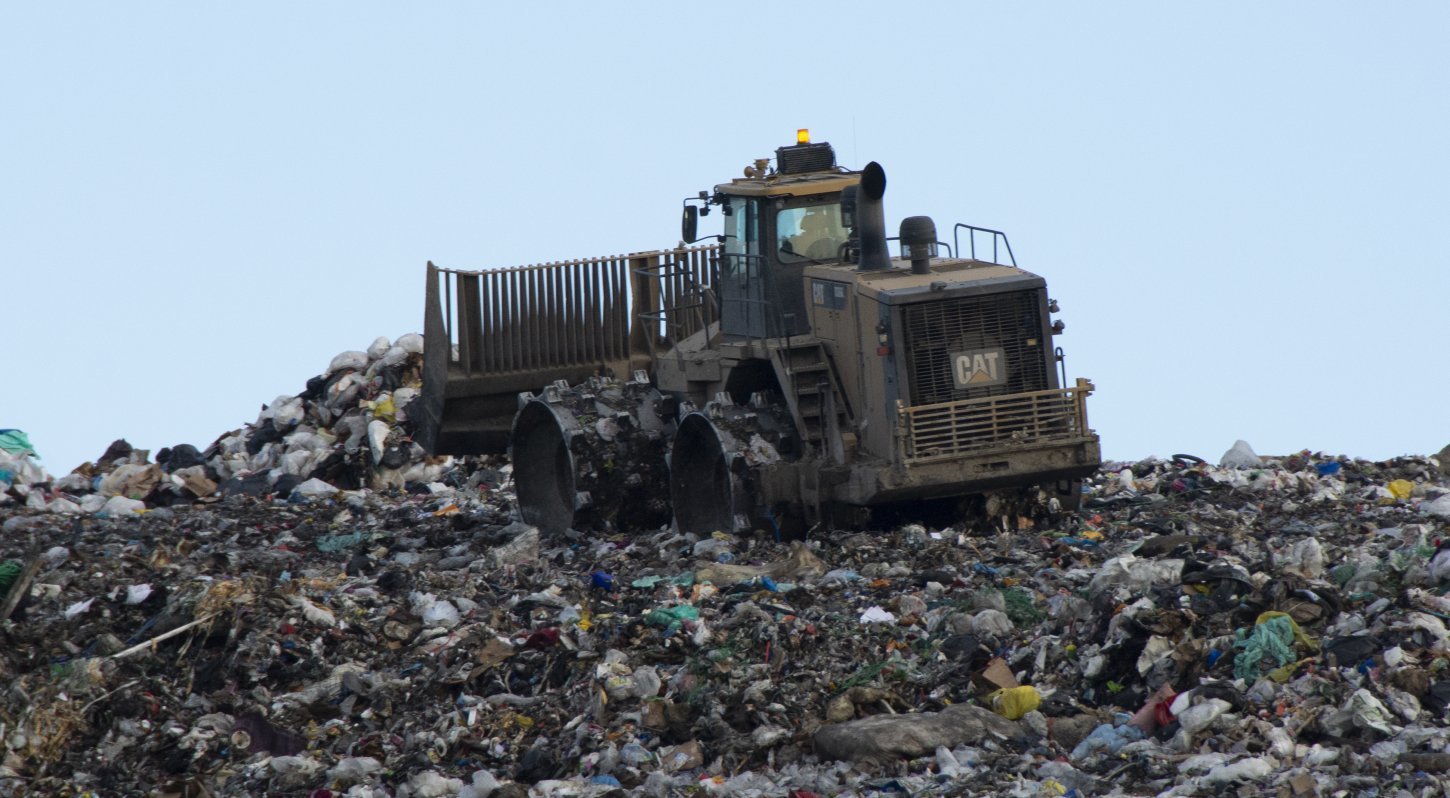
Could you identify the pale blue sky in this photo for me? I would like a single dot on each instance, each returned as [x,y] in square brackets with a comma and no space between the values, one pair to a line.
[1240,206]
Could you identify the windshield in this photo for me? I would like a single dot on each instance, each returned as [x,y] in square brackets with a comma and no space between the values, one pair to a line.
[813,232]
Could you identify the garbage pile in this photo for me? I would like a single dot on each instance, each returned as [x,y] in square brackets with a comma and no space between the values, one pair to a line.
[1263,626]
[348,429]
[19,473]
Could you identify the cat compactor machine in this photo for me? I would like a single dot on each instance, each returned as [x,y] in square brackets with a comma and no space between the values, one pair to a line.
[791,372]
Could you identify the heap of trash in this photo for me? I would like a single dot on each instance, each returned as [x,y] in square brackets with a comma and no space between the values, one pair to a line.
[312,606]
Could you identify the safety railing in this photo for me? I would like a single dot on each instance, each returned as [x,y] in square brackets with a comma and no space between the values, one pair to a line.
[997,237]
[688,301]
[947,430]
[566,313]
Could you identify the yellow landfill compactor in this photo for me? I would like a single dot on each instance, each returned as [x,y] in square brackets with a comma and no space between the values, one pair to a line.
[791,372]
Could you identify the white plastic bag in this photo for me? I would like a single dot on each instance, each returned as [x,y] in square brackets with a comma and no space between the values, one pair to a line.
[354,769]
[1240,455]
[433,611]
[119,506]
[379,345]
[354,360]
[378,438]
[412,343]
[314,489]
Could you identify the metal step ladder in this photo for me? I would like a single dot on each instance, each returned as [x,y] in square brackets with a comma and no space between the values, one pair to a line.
[813,392]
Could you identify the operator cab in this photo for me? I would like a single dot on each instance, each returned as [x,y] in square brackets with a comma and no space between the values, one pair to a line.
[777,222]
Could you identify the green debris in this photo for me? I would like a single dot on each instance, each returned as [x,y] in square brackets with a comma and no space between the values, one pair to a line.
[9,572]
[15,442]
[1273,640]
[670,616]
[1341,574]
[1022,607]
[336,543]
[894,669]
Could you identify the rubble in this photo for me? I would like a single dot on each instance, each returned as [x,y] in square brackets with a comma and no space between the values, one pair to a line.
[312,606]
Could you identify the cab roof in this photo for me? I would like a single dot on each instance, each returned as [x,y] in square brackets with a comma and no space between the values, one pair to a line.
[794,185]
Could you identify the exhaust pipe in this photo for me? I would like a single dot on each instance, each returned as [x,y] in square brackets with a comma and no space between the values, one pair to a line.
[871,219]
[918,239]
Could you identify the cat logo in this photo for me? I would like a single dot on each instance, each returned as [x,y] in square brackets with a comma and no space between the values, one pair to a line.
[980,369]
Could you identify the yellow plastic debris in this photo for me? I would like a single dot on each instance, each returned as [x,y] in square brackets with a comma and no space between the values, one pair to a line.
[1014,702]
[1401,488]
[385,409]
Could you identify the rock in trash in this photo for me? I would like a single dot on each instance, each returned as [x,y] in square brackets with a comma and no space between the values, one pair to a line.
[883,738]
[802,563]
[523,548]
[1433,762]
[1439,507]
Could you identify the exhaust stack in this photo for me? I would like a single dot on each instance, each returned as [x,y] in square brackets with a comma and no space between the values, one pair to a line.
[918,242]
[871,219]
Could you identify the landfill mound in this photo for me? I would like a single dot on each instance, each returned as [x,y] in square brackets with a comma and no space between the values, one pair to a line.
[311,606]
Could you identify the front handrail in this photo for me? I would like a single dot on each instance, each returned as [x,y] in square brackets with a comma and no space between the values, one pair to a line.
[972,230]
[949,430]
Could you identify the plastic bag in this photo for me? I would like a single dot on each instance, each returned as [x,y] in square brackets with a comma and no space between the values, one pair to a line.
[348,360]
[118,506]
[132,481]
[377,438]
[1240,455]
[1014,702]
[433,611]
[1245,769]
[1198,717]
[1273,638]
[876,614]
[384,408]
[319,615]
[484,784]
[412,343]
[392,357]
[287,412]
[378,347]
[354,769]
[1107,738]
[78,608]
[15,442]
[314,489]
[670,616]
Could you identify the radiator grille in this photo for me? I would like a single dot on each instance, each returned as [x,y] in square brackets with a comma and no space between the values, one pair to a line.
[937,330]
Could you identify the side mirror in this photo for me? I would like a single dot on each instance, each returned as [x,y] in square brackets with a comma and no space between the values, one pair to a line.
[689,224]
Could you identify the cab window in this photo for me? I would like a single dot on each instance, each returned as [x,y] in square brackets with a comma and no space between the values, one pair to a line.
[742,234]
[810,232]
